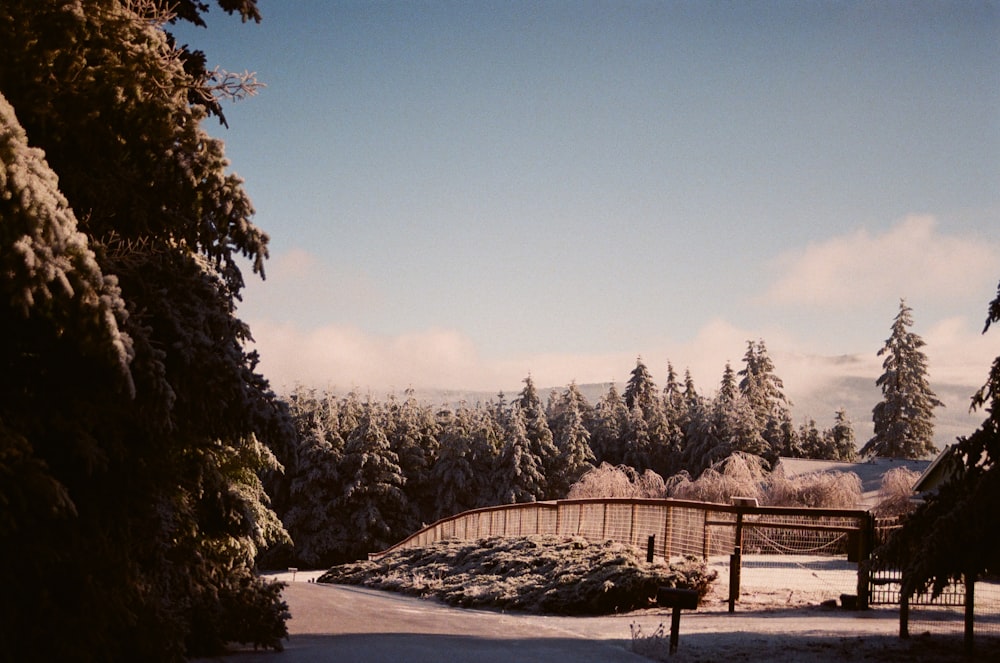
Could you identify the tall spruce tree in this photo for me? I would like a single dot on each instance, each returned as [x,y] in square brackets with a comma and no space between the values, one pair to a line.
[133,424]
[539,434]
[519,474]
[904,418]
[763,391]
[373,504]
[610,424]
[954,534]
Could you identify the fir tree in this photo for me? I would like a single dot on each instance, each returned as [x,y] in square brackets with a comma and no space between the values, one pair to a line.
[904,418]
[640,389]
[955,533]
[453,476]
[762,390]
[519,474]
[573,442]
[373,503]
[133,423]
[539,434]
[840,438]
[413,432]
[611,422]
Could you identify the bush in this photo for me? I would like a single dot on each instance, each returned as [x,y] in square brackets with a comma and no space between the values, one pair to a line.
[895,494]
[829,490]
[541,574]
[621,481]
[738,475]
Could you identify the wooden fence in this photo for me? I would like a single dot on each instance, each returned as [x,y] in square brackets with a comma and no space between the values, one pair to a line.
[672,528]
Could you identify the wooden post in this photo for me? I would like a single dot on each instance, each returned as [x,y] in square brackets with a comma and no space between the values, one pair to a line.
[866,540]
[675,628]
[970,612]
[668,533]
[904,613]
[735,560]
[650,545]
[633,538]
[604,524]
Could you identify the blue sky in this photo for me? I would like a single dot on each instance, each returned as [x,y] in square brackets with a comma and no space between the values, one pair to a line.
[460,193]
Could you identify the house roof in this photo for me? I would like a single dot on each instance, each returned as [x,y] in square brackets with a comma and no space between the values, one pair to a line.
[940,470]
[870,471]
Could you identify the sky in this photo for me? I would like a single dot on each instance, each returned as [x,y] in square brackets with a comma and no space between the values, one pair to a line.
[460,194]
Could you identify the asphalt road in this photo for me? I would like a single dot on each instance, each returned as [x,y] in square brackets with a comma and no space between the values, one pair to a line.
[348,624]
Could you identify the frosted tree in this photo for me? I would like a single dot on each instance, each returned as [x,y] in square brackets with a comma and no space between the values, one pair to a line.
[840,438]
[728,389]
[312,512]
[413,432]
[568,417]
[453,476]
[611,422]
[762,389]
[673,395]
[904,418]
[539,434]
[134,426]
[637,444]
[954,534]
[373,505]
[519,474]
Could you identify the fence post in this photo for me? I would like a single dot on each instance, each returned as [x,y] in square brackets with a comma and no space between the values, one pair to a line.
[650,545]
[734,578]
[904,614]
[633,539]
[866,541]
[735,560]
[970,612]
[668,532]
[604,524]
[704,535]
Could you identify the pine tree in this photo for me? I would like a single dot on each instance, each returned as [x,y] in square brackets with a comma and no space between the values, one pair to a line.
[611,421]
[904,418]
[673,395]
[133,424]
[640,389]
[573,442]
[453,475]
[519,473]
[373,503]
[841,438]
[539,434]
[413,432]
[955,533]
[762,389]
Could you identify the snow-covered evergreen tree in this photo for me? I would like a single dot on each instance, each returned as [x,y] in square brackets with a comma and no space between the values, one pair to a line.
[840,438]
[762,389]
[573,442]
[453,476]
[610,424]
[413,432]
[539,434]
[954,535]
[904,418]
[373,505]
[518,476]
[134,425]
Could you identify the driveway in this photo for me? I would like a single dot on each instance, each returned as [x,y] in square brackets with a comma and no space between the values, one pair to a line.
[351,624]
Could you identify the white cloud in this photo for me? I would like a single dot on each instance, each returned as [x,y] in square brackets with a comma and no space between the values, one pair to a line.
[912,259]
